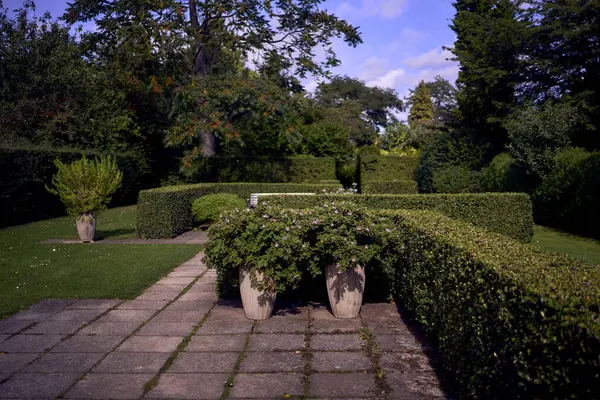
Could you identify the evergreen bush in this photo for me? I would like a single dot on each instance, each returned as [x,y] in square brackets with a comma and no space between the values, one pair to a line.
[209,208]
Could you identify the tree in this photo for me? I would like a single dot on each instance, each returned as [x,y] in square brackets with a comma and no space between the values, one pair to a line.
[421,109]
[366,110]
[489,41]
[443,96]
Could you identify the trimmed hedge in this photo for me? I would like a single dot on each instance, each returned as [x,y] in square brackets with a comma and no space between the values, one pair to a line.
[375,167]
[27,171]
[276,170]
[399,187]
[509,320]
[506,213]
[167,211]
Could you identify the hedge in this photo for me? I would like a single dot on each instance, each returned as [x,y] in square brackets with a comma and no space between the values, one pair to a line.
[27,171]
[506,213]
[508,320]
[167,211]
[375,167]
[382,187]
[276,170]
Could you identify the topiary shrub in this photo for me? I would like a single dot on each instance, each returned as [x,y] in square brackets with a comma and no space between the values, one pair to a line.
[209,208]
[455,179]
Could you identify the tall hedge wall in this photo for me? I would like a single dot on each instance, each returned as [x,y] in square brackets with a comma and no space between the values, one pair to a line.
[167,211]
[27,171]
[276,170]
[509,320]
[375,167]
[506,213]
[382,187]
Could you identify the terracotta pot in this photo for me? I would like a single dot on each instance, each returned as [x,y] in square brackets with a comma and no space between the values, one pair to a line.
[345,290]
[86,227]
[258,304]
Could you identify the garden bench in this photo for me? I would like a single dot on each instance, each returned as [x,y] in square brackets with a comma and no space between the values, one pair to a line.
[254,196]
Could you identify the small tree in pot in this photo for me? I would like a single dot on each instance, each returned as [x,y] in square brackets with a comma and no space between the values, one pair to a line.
[85,187]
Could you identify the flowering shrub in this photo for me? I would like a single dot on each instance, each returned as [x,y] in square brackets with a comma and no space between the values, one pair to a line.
[288,244]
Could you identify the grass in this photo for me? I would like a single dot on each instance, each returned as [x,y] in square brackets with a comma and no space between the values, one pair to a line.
[30,271]
[563,242]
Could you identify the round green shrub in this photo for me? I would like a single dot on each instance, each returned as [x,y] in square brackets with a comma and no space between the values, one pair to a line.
[455,179]
[503,175]
[209,208]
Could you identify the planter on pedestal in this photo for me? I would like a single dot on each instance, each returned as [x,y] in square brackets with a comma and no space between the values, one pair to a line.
[86,227]
[345,290]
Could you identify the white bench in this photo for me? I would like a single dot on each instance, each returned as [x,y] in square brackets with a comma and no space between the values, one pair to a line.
[254,196]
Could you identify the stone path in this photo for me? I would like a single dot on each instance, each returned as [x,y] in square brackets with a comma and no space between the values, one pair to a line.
[177,341]
[190,237]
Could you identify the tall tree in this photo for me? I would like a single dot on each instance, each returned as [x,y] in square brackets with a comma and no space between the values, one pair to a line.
[489,41]
[421,110]
[443,96]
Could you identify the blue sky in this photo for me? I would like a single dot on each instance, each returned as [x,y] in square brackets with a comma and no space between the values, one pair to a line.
[402,40]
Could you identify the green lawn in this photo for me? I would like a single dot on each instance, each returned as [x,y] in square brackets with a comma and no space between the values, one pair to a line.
[30,271]
[559,241]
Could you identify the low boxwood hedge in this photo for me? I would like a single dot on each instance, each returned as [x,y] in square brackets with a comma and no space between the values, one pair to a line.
[383,187]
[509,320]
[506,213]
[167,211]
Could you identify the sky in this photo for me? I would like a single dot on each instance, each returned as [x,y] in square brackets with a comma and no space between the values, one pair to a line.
[402,40]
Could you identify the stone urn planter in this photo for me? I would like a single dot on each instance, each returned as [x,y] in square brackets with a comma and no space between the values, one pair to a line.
[345,290]
[258,304]
[86,227]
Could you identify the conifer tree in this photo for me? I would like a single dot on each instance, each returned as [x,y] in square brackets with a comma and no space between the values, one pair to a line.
[421,109]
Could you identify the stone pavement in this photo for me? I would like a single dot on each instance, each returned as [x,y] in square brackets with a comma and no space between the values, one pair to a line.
[177,341]
[190,237]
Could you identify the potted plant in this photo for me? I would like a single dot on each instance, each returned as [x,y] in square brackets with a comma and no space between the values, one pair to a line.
[85,187]
[263,250]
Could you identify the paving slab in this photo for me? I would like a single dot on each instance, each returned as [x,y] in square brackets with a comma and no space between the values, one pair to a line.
[3,337]
[109,386]
[336,342]
[36,385]
[423,385]
[401,343]
[189,386]
[278,361]
[164,296]
[156,344]
[121,328]
[142,305]
[52,304]
[29,343]
[88,344]
[76,315]
[181,316]
[10,363]
[283,324]
[55,327]
[64,362]
[324,322]
[267,386]
[186,272]
[204,362]
[166,288]
[132,363]
[35,315]
[276,342]
[336,385]
[180,305]
[162,328]
[12,325]
[406,362]
[223,327]
[127,315]
[175,281]
[200,343]
[208,296]
[93,304]
[342,361]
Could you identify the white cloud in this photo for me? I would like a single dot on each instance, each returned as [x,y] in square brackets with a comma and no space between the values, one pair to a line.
[433,58]
[388,80]
[311,86]
[385,9]
[372,68]
[407,39]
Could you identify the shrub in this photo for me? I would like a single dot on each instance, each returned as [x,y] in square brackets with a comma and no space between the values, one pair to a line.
[167,211]
[399,187]
[569,196]
[23,194]
[502,175]
[506,213]
[455,179]
[509,320]
[208,208]
[375,167]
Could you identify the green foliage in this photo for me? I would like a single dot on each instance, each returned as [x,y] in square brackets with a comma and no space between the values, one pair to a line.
[167,211]
[508,320]
[537,133]
[502,175]
[455,179]
[448,149]
[375,167]
[398,187]
[421,109]
[443,96]
[509,214]
[568,197]
[86,186]
[208,208]
[23,194]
